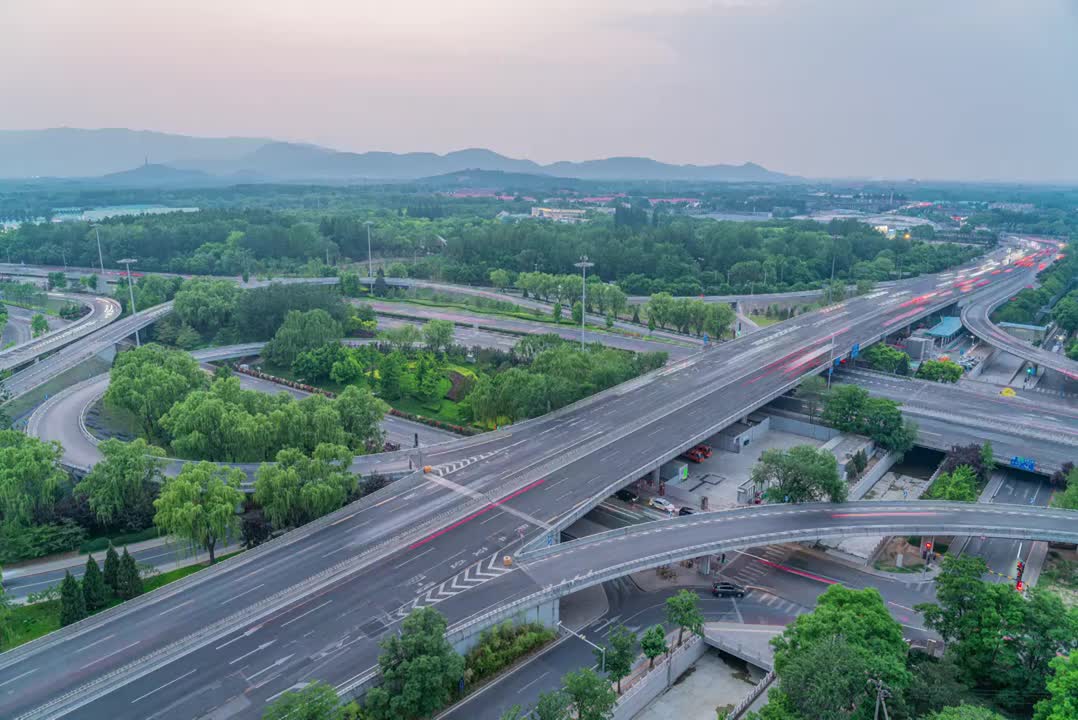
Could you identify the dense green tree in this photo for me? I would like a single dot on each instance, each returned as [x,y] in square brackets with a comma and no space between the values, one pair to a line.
[619,654]
[111,575]
[94,592]
[500,279]
[577,313]
[653,643]
[129,581]
[57,280]
[944,371]
[886,358]
[403,337]
[1062,700]
[206,305]
[556,312]
[301,332]
[800,474]
[72,603]
[420,670]
[30,477]
[390,372]
[592,696]
[260,312]
[200,504]
[124,481]
[438,335]
[851,409]
[297,489]
[39,325]
[317,701]
[959,485]
[148,380]
[361,417]
[683,610]
[1000,640]
[852,631]
[554,705]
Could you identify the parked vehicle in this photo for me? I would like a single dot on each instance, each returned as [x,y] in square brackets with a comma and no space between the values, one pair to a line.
[686,511]
[662,504]
[698,453]
[727,589]
[627,495]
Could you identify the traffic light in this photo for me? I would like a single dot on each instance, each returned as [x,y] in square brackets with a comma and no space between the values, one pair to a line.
[1021,570]
[1019,586]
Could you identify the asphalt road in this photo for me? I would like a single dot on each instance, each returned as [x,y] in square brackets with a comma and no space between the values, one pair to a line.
[976,316]
[1002,556]
[68,357]
[317,608]
[17,329]
[676,349]
[102,312]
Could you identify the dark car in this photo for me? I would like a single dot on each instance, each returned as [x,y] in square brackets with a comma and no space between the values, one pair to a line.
[727,589]
[626,495]
[686,511]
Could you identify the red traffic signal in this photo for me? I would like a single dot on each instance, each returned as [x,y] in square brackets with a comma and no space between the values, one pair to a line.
[1019,586]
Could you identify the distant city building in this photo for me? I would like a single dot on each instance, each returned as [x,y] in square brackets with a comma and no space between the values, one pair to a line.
[1012,207]
[565,215]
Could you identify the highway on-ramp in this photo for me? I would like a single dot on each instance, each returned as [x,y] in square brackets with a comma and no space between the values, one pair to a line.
[103,311]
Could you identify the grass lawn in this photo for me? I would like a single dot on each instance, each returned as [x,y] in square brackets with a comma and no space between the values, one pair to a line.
[29,622]
[448,411]
[764,320]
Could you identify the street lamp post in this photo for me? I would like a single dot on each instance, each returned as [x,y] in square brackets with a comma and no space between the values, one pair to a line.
[100,257]
[583,265]
[370,261]
[131,294]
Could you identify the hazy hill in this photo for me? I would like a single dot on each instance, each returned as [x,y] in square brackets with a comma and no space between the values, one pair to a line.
[73,153]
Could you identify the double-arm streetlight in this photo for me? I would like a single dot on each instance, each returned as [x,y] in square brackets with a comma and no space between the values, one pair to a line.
[131,293]
[583,265]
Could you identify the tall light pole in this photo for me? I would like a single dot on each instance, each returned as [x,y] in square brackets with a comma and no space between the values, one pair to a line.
[131,293]
[583,265]
[370,262]
[100,257]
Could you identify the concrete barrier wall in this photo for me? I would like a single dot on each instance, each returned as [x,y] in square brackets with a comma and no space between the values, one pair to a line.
[655,683]
[800,427]
[873,476]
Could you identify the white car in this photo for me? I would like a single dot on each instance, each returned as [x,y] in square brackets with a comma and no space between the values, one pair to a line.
[662,504]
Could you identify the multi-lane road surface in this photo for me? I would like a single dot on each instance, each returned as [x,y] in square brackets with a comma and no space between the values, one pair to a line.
[315,603]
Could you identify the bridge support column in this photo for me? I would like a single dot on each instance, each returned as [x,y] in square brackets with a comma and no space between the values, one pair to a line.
[703,565]
[108,354]
[653,478]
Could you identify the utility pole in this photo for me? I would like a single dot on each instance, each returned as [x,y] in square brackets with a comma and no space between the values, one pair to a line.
[370,261]
[831,362]
[583,265]
[832,284]
[131,294]
[100,258]
[881,698]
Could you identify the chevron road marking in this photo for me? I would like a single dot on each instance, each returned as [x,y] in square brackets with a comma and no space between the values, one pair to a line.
[474,576]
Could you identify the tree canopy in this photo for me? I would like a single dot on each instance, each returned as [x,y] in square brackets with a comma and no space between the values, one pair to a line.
[800,474]
[298,488]
[147,381]
[200,504]
[124,481]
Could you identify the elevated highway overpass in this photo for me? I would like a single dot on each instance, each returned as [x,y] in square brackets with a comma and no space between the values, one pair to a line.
[103,311]
[315,602]
[977,317]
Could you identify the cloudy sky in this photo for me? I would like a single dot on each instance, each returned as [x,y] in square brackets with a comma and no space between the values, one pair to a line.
[979,89]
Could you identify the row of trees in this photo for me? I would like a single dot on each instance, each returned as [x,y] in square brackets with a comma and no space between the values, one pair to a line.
[687,314]
[175,404]
[421,673]
[120,581]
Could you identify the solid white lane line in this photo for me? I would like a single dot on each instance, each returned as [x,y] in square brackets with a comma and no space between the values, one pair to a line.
[96,642]
[7,682]
[114,652]
[263,646]
[493,516]
[247,591]
[170,682]
[416,557]
[186,602]
[525,687]
[299,617]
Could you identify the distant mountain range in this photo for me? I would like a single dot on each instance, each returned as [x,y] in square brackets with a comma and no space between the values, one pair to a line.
[139,158]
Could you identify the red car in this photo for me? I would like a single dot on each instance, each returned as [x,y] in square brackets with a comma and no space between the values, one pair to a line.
[697,454]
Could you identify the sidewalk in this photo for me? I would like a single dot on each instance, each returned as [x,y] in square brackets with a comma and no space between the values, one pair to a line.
[73,559]
[914,578]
